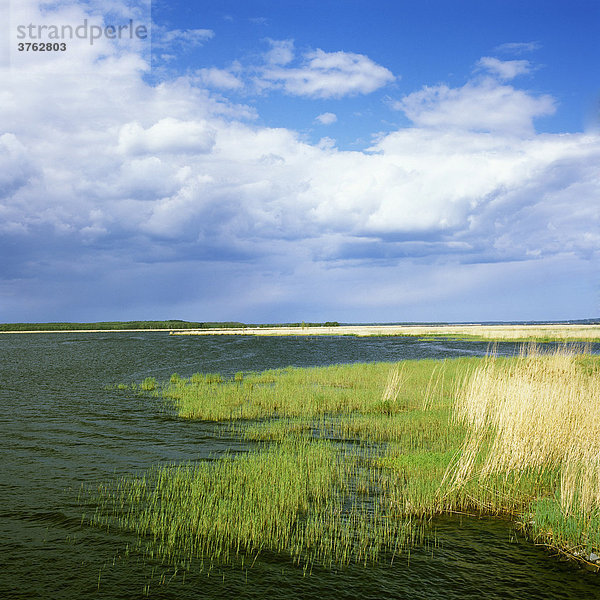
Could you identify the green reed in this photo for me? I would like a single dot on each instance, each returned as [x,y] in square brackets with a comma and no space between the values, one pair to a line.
[294,498]
[374,388]
[576,532]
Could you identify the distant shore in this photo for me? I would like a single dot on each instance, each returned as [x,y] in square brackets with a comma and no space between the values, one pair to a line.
[566,332]
[82,330]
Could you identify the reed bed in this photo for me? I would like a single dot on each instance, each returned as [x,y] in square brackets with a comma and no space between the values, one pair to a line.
[296,498]
[353,460]
[411,430]
[567,332]
[536,421]
[374,388]
[571,333]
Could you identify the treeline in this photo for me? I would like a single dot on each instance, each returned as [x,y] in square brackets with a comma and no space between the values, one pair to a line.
[111,325]
[170,324]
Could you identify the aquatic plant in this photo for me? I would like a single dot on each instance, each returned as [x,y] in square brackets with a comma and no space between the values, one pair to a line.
[374,388]
[292,498]
[536,418]
[148,385]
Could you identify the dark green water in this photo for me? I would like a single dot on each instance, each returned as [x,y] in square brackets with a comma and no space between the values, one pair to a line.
[61,428]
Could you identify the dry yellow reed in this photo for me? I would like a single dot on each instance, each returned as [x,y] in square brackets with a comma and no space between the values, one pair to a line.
[540,413]
[394,385]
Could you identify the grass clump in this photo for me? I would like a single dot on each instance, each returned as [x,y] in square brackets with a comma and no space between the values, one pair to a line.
[148,385]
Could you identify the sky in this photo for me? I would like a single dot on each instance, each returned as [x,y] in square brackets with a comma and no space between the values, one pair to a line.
[274,161]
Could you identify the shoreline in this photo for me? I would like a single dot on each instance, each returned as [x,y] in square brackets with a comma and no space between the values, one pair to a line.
[473,332]
[568,332]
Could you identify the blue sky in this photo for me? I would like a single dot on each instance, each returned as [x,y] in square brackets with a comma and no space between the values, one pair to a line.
[419,42]
[282,161]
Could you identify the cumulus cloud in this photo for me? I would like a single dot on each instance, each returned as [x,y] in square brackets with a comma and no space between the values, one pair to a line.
[483,105]
[166,136]
[328,75]
[326,118]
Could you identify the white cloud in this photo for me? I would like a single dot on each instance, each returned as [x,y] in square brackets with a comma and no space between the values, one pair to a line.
[219,79]
[200,176]
[16,167]
[187,38]
[327,118]
[505,69]
[328,75]
[518,47]
[167,135]
[485,105]
[259,20]
[281,52]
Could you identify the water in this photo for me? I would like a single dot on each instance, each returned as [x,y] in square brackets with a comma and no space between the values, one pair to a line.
[61,427]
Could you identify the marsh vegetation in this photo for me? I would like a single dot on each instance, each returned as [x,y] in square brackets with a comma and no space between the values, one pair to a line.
[584,331]
[350,462]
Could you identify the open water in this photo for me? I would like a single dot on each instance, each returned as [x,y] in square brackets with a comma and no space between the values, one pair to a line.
[60,427]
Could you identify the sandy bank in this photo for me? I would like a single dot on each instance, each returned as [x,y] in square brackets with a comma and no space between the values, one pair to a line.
[492,332]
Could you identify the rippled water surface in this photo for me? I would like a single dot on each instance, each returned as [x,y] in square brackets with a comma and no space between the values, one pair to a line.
[61,428]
